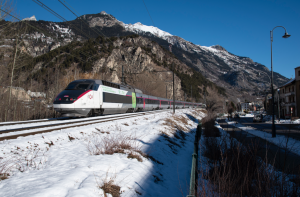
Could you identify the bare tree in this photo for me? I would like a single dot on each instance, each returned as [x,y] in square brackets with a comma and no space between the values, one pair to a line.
[213,101]
[9,8]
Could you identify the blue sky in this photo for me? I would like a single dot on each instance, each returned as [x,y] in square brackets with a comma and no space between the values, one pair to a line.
[242,27]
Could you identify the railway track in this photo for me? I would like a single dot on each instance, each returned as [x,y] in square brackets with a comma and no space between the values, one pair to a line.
[13,133]
[30,122]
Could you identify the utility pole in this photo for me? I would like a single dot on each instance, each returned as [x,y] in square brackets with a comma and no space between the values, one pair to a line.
[122,76]
[204,95]
[191,93]
[166,91]
[173,89]
[170,48]
[13,67]
[205,89]
[278,104]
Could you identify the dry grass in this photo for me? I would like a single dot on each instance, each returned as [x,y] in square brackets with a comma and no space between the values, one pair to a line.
[235,169]
[115,143]
[134,156]
[5,166]
[30,158]
[174,122]
[109,187]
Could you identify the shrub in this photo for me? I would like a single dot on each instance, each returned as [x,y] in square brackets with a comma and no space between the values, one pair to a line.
[109,187]
[109,144]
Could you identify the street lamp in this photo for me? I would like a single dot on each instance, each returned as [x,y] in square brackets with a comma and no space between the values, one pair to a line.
[286,35]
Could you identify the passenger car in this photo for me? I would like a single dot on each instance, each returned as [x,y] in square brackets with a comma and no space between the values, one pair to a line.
[257,118]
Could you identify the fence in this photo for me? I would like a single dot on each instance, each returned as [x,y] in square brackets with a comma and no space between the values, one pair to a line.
[194,170]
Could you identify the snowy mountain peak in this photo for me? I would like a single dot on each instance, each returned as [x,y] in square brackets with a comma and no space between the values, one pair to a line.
[103,13]
[140,28]
[30,19]
[218,47]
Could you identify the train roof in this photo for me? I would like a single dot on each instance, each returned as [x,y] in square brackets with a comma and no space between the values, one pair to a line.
[110,84]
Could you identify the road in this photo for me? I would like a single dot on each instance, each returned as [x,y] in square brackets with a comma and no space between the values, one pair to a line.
[281,129]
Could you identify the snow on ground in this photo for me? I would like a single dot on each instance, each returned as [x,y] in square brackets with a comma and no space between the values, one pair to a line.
[268,119]
[60,163]
[280,140]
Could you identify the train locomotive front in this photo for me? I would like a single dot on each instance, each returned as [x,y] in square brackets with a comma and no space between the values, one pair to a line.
[78,98]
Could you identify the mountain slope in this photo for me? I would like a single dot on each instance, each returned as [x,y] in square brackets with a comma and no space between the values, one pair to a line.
[240,75]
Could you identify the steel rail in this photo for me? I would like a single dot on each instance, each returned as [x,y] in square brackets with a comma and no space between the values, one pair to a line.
[31,121]
[66,123]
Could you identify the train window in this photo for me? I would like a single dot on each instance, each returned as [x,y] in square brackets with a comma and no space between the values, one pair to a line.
[106,83]
[79,86]
[95,87]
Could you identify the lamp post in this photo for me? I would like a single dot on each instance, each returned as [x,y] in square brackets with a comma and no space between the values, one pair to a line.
[286,35]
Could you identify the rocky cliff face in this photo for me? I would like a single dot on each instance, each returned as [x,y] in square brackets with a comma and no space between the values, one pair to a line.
[215,62]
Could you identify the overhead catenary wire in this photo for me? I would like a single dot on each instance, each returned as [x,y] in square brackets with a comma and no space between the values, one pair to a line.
[148,13]
[73,12]
[45,33]
[95,30]
[60,17]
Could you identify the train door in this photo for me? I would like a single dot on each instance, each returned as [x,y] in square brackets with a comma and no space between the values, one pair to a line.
[134,106]
[97,96]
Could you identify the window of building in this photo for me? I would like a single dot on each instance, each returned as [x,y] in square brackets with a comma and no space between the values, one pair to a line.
[298,72]
[283,90]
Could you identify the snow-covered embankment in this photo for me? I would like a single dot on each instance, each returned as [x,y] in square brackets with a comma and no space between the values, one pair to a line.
[144,155]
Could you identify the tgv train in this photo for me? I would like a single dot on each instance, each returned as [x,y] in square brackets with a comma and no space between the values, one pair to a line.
[87,97]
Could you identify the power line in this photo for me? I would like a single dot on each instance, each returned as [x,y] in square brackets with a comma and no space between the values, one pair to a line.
[95,30]
[67,7]
[64,20]
[45,33]
[149,13]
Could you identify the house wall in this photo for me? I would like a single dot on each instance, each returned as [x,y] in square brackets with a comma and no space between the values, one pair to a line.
[297,88]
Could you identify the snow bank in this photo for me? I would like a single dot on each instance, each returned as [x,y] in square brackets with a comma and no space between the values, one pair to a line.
[60,164]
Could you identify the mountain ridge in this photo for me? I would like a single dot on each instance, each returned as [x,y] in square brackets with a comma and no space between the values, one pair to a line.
[240,75]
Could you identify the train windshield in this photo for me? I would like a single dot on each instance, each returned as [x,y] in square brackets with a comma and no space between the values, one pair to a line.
[79,86]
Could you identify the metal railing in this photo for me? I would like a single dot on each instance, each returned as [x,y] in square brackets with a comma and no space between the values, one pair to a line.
[194,170]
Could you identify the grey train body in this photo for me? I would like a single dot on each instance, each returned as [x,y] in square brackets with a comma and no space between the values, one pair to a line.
[88,97]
